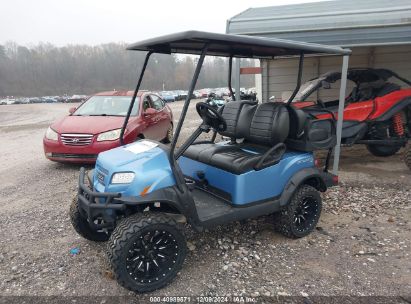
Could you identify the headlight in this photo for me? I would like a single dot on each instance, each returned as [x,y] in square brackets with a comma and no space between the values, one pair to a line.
[110,135]
[51,134]
[122,178]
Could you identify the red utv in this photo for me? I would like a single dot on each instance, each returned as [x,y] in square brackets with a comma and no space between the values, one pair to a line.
[377,112]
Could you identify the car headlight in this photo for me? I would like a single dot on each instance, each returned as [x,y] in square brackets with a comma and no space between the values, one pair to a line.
[110,135]
[51,134]
[122,178]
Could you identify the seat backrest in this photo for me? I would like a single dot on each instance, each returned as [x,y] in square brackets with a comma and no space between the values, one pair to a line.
[236,124]
[298,119]
[269,124]
[368,90]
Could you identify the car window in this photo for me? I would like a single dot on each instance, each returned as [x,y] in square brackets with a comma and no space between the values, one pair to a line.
[107,106]
[146,103]
[157,103]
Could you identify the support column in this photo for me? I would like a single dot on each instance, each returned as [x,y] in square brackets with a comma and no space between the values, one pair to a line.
[237,84]
[259,82]
[340,120]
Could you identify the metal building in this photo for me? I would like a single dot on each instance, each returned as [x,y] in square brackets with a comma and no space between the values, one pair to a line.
[377,31]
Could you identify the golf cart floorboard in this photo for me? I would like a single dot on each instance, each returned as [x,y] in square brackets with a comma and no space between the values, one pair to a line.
[213,210]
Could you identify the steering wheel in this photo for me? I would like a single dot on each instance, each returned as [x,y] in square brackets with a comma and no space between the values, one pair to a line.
[211,117]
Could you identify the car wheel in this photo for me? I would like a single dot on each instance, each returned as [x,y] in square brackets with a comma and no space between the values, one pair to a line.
[407,156]
[383,151]
[300,216]
[169,135]
[146,251]
[81,225]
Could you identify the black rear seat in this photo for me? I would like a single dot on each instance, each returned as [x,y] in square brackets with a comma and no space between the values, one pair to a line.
[261,127]
[308,134]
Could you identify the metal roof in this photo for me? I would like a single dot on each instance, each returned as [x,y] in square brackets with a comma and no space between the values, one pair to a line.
[192,42]
[344,23]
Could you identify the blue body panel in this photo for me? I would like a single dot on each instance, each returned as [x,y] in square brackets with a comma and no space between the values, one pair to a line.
[251,186]
[151,168]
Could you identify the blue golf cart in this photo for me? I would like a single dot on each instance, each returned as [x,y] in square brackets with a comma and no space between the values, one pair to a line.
[267,166]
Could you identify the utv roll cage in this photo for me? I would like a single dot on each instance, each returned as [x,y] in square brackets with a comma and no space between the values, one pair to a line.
[356,75]
[231,46]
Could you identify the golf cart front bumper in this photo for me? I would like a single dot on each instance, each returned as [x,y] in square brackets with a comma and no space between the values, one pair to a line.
[93,204]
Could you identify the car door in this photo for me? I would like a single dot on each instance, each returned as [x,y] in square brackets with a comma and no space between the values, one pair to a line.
[162,116]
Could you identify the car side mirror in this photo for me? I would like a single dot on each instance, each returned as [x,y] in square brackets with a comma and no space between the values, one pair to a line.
[325,85]
[72,110]
[149,112]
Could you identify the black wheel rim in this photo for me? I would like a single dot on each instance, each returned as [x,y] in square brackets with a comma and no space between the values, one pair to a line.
[152,256]
[306,214]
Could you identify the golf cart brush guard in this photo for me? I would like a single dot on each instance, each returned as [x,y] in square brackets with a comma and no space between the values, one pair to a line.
[90,207]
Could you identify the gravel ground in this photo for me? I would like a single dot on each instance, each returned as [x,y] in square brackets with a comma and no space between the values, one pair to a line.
[361,246]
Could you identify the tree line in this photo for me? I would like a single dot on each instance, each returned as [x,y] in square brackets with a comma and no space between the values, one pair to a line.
[44,69]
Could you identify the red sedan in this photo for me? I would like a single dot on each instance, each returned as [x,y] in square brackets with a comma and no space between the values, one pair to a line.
[95,126]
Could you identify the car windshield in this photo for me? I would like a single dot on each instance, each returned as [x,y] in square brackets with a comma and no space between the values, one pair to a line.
[107,106]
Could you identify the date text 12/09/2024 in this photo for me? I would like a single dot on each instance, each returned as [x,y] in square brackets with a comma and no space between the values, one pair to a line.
[203,299]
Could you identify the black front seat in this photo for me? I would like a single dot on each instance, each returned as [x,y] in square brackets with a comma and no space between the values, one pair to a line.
[231,113]
[261,129]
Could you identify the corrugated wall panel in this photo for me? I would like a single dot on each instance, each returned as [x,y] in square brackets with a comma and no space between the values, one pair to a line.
[343,23]
[282,75]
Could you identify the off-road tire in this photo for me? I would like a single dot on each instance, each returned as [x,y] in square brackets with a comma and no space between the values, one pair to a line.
[285,220]
[383,151]
[81,225]
[407,155]
[127,233]
[169,135]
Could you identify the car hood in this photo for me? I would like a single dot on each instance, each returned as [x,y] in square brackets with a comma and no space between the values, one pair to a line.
[87,124]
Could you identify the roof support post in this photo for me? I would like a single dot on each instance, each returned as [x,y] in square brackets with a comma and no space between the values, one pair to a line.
[172,157]
[230,71]
[299,76]
[187,101]
[133,99]
[340,120]
[237,79]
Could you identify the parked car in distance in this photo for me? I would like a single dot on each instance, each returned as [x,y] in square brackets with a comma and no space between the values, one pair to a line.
[167,96]
[95,125]
[76,98]
[7,101]
[35,100]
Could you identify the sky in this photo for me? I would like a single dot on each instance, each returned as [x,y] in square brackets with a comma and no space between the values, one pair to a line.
[92,22]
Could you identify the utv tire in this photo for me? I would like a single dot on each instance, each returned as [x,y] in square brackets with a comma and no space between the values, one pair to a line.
[169,136]
[407,156]
[383,151]
[300,216]
[82,227]
[146,251]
